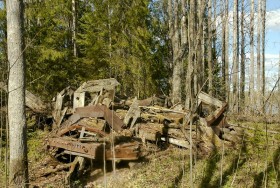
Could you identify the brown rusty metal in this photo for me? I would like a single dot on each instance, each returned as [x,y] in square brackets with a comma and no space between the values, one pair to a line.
[126,151]
[91,149]
[71,120]
[79,127]
[101,111]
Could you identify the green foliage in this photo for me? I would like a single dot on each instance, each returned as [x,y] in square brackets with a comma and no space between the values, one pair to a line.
[120,39]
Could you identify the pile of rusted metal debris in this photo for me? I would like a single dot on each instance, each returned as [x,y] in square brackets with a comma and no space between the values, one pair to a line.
[92,122]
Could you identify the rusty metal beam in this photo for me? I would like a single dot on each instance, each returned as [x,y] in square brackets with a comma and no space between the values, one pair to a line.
[126,151]
[79,127]
[101,111]
[91,149]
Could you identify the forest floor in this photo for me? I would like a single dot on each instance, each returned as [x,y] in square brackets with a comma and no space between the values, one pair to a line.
[252,163]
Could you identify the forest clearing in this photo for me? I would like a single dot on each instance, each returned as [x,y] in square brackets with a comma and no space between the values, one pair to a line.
[150,93]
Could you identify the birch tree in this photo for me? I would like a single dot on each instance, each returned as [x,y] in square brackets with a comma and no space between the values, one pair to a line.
[18,172]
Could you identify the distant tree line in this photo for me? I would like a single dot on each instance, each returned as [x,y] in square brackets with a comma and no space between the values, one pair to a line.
[171,47]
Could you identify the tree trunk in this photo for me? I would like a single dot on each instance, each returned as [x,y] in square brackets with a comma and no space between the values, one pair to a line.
[18,175]
[209,49]
[177,63]
[225,49]
[191,58]
[74,30]
[235,76]
[263,50]
[259,98]
[252,58]
[200,45]
[242,62]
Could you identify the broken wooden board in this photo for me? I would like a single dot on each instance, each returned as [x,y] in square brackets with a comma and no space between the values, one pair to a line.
[216,116]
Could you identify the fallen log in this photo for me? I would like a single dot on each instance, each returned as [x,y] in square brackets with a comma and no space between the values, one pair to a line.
[251,128]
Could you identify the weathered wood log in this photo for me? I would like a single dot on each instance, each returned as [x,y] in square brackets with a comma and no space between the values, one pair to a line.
[251,128]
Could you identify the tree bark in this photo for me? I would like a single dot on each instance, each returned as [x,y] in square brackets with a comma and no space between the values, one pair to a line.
[18,174]
[200,46]
[175,41]
[259,52]
[225,49]
[74,29]
[191,58]
[252,58]
[242,62]
[209,49]
[235,76]
[263,51]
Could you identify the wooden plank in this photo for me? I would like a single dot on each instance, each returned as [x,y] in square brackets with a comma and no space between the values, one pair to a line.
[97,85]
[79,100]
[207,99]
[181,143]
[34,102]
[82,132]
[31,101]
[212,118]
[133,114]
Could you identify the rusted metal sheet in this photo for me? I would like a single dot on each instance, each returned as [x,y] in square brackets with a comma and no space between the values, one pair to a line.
[90,111]
[101,111]
[126,151]
[71,120]
[91,149]
[79,127]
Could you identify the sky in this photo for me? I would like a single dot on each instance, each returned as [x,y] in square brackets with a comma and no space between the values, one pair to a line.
[272,41]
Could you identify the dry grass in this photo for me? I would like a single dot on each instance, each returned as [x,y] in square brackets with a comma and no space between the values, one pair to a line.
[254,163]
